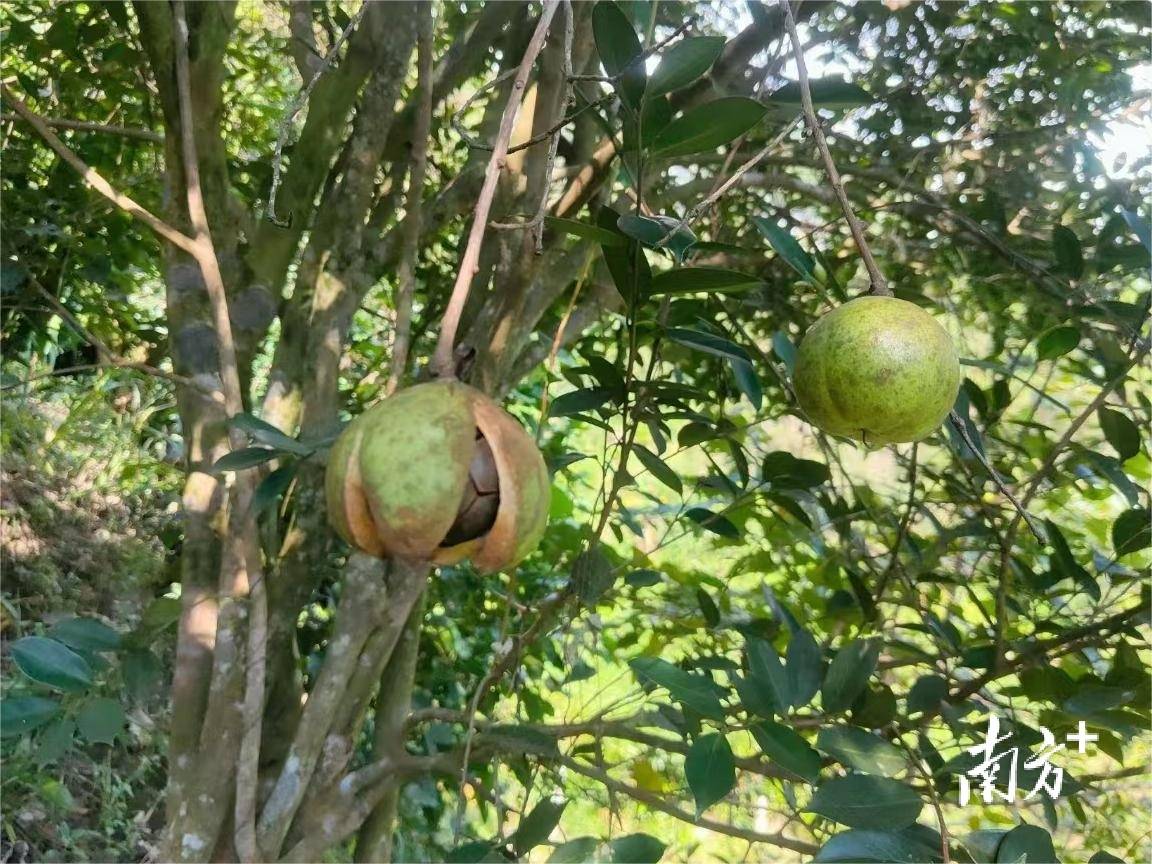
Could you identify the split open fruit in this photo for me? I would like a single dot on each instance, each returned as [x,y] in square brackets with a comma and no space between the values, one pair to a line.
[877,369]
[439,472]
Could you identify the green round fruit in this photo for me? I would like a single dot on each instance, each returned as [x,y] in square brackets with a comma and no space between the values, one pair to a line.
[438,472]
[877,369]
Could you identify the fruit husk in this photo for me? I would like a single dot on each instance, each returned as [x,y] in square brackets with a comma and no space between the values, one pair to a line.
[524,488]
[347,506]
[414,454]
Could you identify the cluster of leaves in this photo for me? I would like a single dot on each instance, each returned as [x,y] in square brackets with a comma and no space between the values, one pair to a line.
[78,675]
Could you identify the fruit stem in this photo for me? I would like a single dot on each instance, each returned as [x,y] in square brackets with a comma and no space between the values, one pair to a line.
[879,283]
[443,364]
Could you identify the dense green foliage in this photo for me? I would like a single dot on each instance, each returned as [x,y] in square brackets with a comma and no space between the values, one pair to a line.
[737,629]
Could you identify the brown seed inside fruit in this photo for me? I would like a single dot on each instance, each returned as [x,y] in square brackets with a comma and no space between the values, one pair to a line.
[481,499]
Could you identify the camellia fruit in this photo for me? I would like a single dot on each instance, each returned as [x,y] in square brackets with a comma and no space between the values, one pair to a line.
[877,369]
[438,472]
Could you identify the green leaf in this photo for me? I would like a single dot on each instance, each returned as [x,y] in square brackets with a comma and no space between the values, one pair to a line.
[783,348]
[927,694]
[684,62]
[579,401]
[663,232]
[1069,255]
[717,523]
[637,849]
[100,720]
[1093,698]
[826,93]
[586,231]
[53,663]
[629,268]
[535,828]
[1103,857]
[1026,843]
[708,343]
[273,486]
[766,670]
[474,852]
[1057,341]
[161,613]
[855,748]
[1131,531]
[851,847]
[1064,563]
[618,47]
[658,468]
[643,578]
[708,126]
[693,691]
[143,673]
[592,575]
[655,114]
[788,750]
[982,845]
[786,247]
[804,665]
[246,457]
[748,381]
[863,801]
[785,471]
[1121,432]
[85,634]
[265,433]
[693,280]
[710,770]
[55,741]
[708,607]
[575,851]
[849,673]
[22,714]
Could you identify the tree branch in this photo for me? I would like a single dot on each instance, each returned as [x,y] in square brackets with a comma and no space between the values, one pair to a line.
[410,231]
[879,284]
[299,102]
[442,361]
[103,128]
[94,179]
[659,802]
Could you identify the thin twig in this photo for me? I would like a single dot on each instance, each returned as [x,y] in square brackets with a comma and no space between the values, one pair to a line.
[901,530]
[103,128]
[661,803]
[442,361]
[94,179]
[298,103]
[697,210]
[410,231]
[879,283]
[1021,507]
